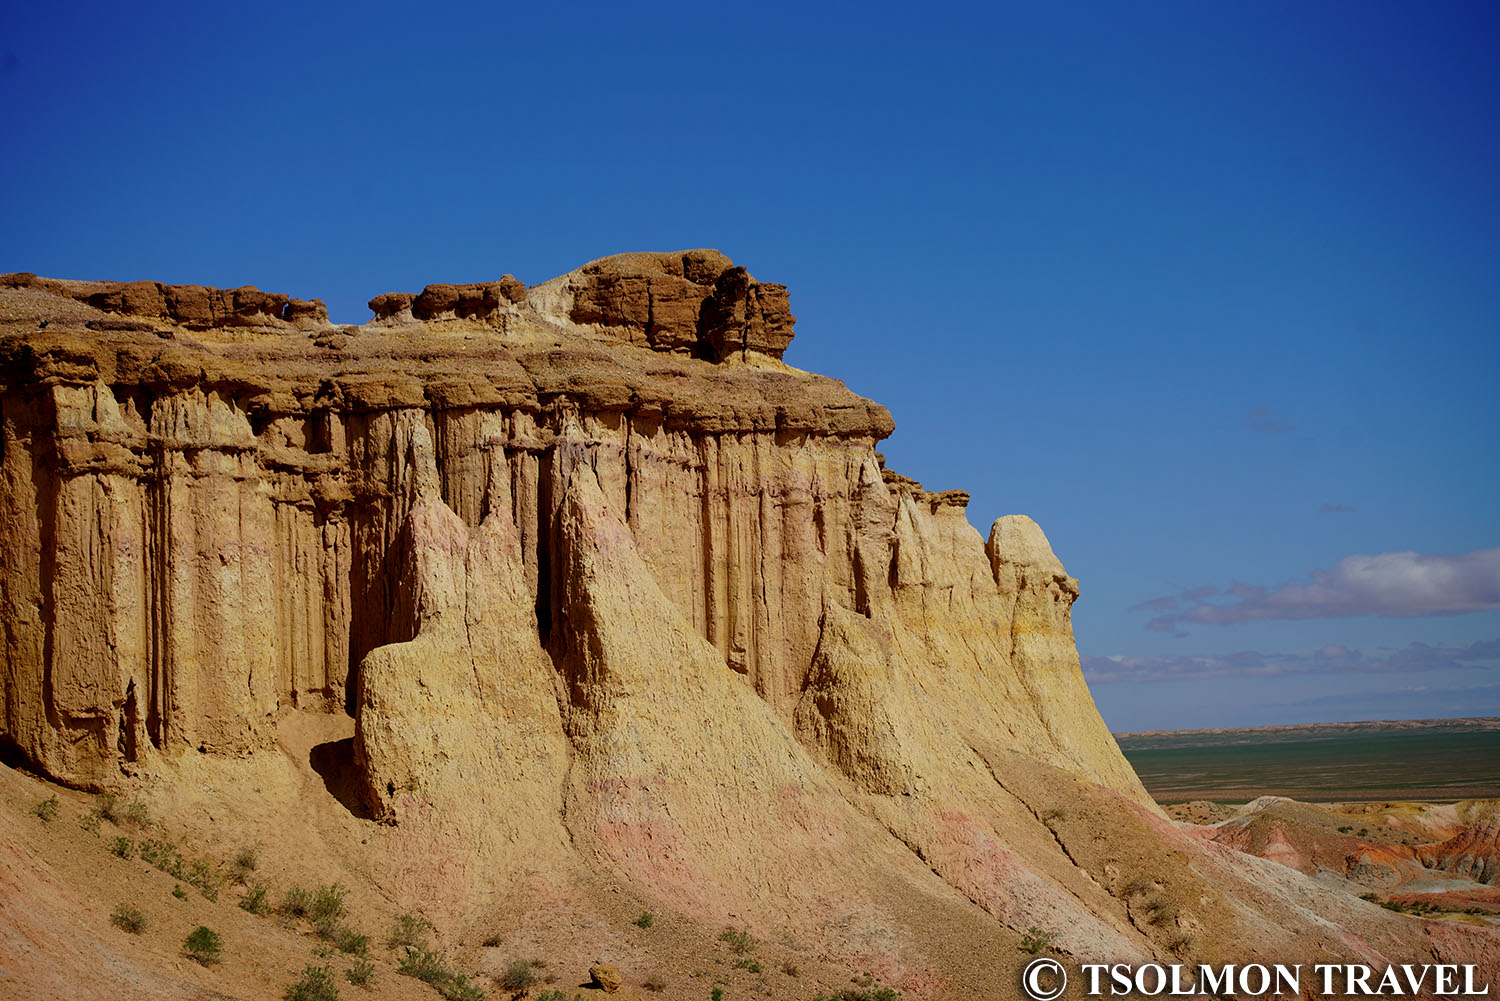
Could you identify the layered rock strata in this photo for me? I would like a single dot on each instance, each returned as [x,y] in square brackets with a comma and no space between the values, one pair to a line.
[602,583]
[206,530]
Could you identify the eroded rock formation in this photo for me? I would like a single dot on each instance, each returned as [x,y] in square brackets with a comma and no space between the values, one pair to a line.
[597,576]
[209,530]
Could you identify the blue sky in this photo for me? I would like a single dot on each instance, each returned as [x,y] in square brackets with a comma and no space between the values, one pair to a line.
[1208,290]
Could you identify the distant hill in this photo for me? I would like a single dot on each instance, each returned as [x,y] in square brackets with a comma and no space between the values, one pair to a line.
[1219,736]
[1427,759]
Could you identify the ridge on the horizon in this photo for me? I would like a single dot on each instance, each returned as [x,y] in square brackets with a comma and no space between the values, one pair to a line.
[1471,722]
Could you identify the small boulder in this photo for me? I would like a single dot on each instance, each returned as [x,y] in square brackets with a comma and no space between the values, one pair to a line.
[605,976]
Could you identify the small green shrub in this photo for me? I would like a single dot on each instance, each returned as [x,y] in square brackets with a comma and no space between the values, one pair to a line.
[315,984]
[518,975]
[128,919]
[136,814]
[245,862]
[1161,912]
[345,939]
[161,854]
[1408,907]
[327,904]
[107,807]
[201,875]
[254,900]
[430,968]
[46,810]
[165,856]
[409,932]
[646,920]
[717,994]
[122,847]
[361,973]
[1036,940]
[422,964]
[297,903]
[132,814]
[751,965]
[739,940]
[179,892]
[90,822]
[202,946]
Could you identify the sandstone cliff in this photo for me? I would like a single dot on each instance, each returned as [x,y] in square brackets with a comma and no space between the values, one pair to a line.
[218,506]
[601,581]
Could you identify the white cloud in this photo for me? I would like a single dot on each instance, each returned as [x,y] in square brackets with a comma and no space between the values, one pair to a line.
[1398,585]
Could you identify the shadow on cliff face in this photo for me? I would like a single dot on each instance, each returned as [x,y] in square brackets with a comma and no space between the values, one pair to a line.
[334,763]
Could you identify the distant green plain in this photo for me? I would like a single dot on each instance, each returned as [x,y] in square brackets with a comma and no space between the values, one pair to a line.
[1430,764]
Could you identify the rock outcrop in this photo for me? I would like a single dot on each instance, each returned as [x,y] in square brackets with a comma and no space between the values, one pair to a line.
[693,303]
[600,580]
[193,307]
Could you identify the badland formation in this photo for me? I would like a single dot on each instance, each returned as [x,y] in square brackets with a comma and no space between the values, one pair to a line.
[530,609]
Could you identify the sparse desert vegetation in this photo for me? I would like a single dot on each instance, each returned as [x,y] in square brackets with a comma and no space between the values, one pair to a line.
[202,946]
[327,904]
[244,863]
[739,940]
[361,972]
[518,975]
[315,984]
[128,919]
[46,810]
[254,900]
[132,814]
[408,932]
[1037,940]
[164,855]
[432,969]
[296,903]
